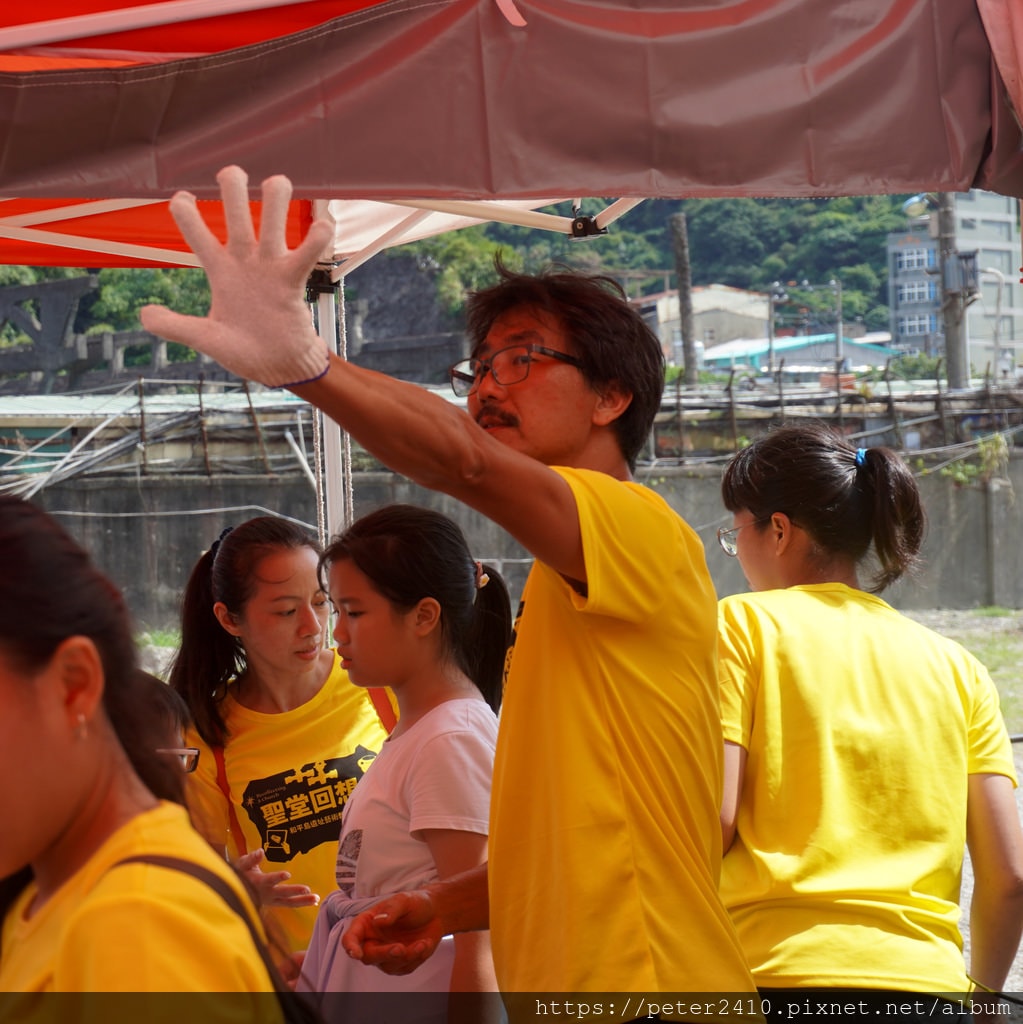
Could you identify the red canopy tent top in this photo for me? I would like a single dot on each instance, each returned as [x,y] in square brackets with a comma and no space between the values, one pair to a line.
[496,100]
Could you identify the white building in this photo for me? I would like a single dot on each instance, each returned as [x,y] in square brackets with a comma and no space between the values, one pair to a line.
[720,313]
[987,237]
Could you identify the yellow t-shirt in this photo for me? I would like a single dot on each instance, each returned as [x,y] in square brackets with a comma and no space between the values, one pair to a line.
[136,928]
[289,775]
[605,845]
[862,727]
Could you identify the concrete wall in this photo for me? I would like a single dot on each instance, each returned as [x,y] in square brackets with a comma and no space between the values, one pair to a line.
[148,532]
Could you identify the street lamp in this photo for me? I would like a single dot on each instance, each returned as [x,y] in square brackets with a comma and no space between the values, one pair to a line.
[1000,278]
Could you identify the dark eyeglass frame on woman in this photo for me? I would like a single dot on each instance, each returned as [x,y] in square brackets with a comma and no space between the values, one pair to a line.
[188,756]
[467,375]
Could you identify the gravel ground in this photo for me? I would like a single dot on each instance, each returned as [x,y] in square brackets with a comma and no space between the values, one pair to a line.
[956,622]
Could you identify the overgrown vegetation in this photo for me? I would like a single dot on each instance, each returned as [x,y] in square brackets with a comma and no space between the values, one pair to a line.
[908,367]
[990,460]
[115,304]
[159,638]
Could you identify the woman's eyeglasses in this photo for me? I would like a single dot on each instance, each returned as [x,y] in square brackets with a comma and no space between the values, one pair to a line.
[188,756]
[727,538]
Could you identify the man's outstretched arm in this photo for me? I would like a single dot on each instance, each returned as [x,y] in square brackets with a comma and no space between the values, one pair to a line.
[401,932]
[259,328]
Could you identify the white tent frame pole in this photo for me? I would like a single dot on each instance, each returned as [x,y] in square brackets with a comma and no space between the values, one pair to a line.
[90,209]
[336,450]
[484,211]
[175,257]
[337,513]
[611,213]
[348,264]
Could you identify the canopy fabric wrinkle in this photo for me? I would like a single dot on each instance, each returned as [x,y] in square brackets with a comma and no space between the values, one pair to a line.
[446,99]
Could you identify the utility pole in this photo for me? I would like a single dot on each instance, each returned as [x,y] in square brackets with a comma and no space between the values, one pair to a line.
[683,270]
[836,284]
[953,304]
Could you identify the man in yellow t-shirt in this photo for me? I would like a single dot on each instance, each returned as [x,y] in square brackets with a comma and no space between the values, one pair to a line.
[608,765]
[604,831]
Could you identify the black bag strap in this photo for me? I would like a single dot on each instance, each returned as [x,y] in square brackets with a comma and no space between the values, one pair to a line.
[296,1009]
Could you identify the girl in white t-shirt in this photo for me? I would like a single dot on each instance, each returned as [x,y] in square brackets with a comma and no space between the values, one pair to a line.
[416,613]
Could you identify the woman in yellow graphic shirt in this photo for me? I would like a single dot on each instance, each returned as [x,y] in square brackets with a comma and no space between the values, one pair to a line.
[82,791]
[863,751]
[283,734]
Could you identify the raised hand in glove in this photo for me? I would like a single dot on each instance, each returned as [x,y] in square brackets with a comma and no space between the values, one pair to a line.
[259,326]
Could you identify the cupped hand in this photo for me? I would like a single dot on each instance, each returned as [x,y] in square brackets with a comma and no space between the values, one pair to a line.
[398,934]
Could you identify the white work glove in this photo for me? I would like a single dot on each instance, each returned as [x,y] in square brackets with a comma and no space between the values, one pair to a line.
[259,326]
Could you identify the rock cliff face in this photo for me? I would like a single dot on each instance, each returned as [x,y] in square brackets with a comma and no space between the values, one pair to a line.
[394,322]
[394,295]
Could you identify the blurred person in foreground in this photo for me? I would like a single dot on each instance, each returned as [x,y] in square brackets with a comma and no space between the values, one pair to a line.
[88,802]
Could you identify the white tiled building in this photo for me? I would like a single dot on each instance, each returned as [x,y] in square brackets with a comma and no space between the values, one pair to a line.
[987,237]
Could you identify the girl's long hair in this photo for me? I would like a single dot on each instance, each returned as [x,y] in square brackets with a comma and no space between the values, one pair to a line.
[409,553]
[209,656]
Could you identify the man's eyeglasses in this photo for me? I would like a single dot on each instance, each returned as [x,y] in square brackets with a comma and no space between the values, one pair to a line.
[507,365]
[727,538]
[188,756]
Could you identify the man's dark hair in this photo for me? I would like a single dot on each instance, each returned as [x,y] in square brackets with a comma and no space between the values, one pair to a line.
[606,332]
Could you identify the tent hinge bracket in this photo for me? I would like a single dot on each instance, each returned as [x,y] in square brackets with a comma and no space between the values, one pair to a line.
[319,283]
[584,226]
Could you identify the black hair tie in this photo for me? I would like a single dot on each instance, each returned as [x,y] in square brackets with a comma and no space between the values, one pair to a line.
[215,546]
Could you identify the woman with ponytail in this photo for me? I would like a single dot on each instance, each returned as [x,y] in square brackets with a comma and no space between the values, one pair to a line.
[416,613]
[863,752]
[283,734]
[87,803]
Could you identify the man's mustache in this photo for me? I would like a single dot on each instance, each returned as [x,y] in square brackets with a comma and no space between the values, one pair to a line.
[492,417]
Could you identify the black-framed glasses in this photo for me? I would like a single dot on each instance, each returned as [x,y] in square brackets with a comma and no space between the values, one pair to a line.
[727,538]
[188,756]
[507,366]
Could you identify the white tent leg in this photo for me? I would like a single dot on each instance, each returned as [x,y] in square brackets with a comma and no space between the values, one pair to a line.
[336,452]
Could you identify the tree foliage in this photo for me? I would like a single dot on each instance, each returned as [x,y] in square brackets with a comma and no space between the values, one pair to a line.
[743,242]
